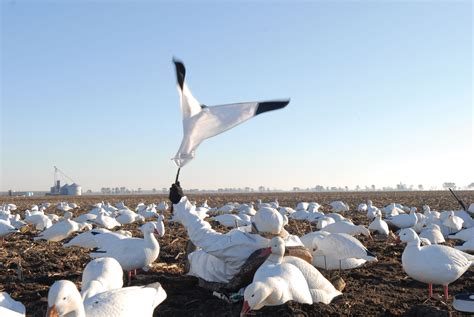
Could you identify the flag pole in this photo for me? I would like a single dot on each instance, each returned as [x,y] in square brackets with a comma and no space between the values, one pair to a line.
[176,180]
[177,175]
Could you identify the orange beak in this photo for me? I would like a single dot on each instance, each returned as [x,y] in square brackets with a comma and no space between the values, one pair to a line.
[52,312]
[245,309]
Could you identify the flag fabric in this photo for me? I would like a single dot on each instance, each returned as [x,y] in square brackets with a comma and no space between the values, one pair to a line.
[202,122]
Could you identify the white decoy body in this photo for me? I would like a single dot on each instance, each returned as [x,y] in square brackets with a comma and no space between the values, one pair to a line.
[85,239]
[59,231]
[402,221]
[275,283]
[466,246]
[323,261]
[131,253]
[6,228]
[362,207]
[339,206]
[432,233]
[65,300]
[336,217]
[433,264]
[324,221]
[85,217]
[347,228]
[105,221]
[379,226]
[321,290]
[10,307]
[101,275]
[454,223]
[231,220]
[127,216]
[162,206]
[343,246]
[465,235]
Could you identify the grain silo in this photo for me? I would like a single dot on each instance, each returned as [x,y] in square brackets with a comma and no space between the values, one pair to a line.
[70,190]
[74,190]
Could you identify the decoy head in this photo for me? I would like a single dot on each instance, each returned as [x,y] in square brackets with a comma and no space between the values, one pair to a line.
[407,235]
[277,246]
[63,299]
[254,296]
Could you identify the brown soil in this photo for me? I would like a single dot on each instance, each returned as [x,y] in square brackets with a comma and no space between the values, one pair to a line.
[28,268]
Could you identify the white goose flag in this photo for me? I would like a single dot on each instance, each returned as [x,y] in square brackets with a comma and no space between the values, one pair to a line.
[201,122]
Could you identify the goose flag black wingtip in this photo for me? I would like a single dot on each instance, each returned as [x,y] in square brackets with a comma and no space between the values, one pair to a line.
[180,71]
[271,105]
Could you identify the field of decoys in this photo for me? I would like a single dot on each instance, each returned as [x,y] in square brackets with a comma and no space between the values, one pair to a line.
[373,253]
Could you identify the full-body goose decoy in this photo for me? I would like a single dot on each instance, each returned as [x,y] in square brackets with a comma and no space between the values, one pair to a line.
[343,246]
[362,207]
[59,231]
[321,290]
[465,235]
[202,122]
[339,206]
[275,283]
[402,221]
[454,223]
[323,261]
[5,229]
[131,253]
[347,228]
[65,300]
[105,221]
[101,275]
[379,226]
[433,233]
[85,239]
[433,264]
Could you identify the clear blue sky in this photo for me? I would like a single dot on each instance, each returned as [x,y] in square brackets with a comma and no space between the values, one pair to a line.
[381,92]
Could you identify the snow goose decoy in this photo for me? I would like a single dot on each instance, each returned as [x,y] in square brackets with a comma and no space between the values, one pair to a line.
[323,222]
[6,228]
[65,300]
[162,206]
[347,228]
[466,246]
[433,233]
[465,235]
[59,231]
[85,239]
[105,221]
[379,226]
[454,223]
[433,264]
[10,307]
[339,206]
[321,290]
[362,207]
[341,246]
[402,221]
[101,275]
[131,253]
[201,122]
[231,221]
[275,283]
